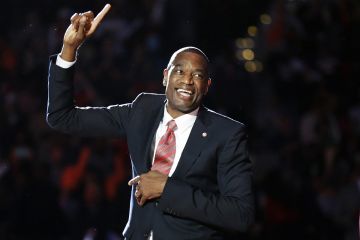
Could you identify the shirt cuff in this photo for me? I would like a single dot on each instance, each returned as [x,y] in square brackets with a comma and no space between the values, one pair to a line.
[62,63]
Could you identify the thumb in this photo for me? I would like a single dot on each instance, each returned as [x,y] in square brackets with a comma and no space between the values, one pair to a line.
[134,180]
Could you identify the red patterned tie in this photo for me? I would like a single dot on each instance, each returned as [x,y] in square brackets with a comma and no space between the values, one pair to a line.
[165,151]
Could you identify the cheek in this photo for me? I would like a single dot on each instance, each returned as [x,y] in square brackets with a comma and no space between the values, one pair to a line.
[169,91]
[171,81]
[202,88]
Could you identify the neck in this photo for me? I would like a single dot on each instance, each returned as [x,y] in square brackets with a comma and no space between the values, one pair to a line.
[175,114]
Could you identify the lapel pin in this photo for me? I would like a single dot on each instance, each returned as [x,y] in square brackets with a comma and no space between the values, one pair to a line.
[204,134]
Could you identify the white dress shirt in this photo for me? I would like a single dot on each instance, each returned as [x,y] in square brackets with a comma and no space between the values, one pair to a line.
[63,63]
[184,125]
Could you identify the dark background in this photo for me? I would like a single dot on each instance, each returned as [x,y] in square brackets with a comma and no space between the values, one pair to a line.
[299,95]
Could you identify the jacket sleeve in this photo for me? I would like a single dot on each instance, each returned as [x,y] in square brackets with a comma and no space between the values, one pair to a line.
[230,209]
[63,115]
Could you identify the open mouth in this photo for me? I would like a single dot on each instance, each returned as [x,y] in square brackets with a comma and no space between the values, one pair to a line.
[184,93]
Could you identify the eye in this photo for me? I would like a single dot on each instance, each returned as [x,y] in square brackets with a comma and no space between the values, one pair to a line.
[198,75]
[178,71]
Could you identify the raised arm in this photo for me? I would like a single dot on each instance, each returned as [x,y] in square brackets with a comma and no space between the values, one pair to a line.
[62,114]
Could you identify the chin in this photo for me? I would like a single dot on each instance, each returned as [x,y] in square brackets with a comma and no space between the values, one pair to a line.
[183,107]
[186,109]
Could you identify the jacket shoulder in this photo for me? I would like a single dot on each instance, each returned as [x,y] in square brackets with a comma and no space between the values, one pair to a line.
[226,122]
[149,99]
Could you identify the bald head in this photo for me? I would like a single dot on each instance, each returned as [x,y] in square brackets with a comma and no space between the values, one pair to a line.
[188,49]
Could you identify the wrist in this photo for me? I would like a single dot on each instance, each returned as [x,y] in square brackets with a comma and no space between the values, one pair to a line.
[68,53]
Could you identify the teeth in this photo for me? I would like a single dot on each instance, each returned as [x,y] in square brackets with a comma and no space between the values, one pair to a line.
[184,91]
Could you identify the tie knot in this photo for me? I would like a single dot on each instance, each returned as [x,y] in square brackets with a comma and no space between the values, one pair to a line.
[172,124]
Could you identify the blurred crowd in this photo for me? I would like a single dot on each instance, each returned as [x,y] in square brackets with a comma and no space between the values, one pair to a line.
[302,109]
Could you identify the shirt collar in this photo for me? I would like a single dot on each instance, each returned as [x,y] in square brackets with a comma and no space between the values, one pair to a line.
[183,121]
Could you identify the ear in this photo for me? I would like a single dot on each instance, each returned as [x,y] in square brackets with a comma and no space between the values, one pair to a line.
[207,85]
[165,78]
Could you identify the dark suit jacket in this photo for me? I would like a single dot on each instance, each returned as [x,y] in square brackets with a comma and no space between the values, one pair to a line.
[210,192]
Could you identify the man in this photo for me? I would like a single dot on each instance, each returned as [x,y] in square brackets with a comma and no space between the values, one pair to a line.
[192,174]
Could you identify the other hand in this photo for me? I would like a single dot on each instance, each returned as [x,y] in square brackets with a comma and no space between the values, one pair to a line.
[149,186]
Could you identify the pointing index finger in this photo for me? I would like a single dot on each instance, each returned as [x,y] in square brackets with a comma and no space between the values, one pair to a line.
[102,14]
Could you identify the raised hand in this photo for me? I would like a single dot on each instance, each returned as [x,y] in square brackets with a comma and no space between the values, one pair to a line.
[82,26]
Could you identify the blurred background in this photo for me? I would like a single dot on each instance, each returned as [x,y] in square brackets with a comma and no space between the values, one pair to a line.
[288,69]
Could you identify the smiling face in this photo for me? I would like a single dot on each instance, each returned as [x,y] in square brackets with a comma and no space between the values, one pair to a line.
[187,81]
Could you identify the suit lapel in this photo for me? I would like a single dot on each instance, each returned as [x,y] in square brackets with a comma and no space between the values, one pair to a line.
[194,145]
[149,141]
[140,141]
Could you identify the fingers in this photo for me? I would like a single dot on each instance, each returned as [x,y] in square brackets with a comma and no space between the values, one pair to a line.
[134,181]
[89,18]
[138,194]
[99,18]
[82,23]
[85,23]
[89,14]
[102,14]
[75,21]
[76,16]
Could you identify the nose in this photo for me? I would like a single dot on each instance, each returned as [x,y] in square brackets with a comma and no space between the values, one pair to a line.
[188,79]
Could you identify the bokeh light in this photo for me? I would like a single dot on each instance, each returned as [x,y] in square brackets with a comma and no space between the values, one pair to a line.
[248,54]
[265,19]
[252,31]
[245,43]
